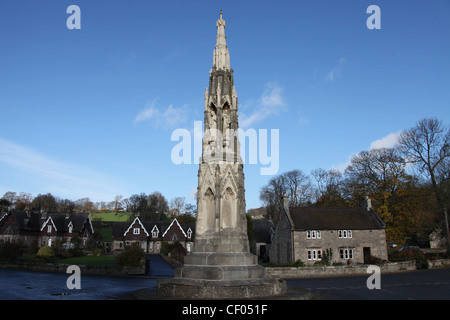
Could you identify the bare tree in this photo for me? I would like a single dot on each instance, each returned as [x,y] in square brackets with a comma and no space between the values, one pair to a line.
[177,205]
[298,187]
[427,145]
[117,202]
[293,183]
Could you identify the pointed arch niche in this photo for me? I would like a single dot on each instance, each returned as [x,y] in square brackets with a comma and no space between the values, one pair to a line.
[228,209]
[206,212]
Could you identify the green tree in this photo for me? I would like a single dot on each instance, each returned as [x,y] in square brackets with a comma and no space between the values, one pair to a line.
[131,256]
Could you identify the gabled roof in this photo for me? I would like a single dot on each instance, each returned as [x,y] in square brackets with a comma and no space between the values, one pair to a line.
[34,222]
[318,218]
[140,223]
[261,230]
[120,228]
[170,226]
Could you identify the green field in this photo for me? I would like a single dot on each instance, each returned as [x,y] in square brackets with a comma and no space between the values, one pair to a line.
[112,216]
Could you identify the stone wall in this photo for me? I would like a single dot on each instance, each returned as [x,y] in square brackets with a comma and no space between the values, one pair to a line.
[438,263]
[86,270]
[335,271]
[360,239]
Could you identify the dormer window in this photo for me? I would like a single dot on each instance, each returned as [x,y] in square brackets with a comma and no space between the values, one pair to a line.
[155,232]
[189,233]
[49,229]
[136,230]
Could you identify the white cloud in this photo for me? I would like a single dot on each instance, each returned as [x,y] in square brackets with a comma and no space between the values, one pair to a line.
[336,71]
[37,171]
[270,103]
[171,117]
[388,141]
[342,166]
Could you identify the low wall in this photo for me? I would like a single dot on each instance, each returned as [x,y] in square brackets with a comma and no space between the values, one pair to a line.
[438,263]
[85,270]
[336,271]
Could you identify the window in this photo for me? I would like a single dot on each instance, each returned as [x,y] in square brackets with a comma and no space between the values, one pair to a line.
[313,234]
[346,253]
[155,232]
[136,230]
[49,229]
[189,233]
[345,234]
[188,247]
[314,254]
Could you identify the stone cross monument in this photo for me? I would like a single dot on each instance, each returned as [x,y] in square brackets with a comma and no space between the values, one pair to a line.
[221,265]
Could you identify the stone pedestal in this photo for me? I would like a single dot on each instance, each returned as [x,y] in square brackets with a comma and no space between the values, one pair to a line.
[221,276]
[232,289]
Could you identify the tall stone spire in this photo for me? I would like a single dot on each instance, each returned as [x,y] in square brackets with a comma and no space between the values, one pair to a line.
[221,199]
[221,56]
[221,265]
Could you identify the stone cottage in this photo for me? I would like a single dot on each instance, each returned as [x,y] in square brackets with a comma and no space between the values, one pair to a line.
[150,234]
[44,228]
[354,235]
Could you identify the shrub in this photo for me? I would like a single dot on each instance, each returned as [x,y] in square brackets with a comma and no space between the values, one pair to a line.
[131,256]
[45,251]
[178,252]
[411,254]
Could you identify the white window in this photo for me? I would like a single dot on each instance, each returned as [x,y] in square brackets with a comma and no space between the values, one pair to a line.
[49,229]
[188,247]
[345,234]
[136,230]
[313,234]
[314,254]
[155,232]
[189,233]
[346,253]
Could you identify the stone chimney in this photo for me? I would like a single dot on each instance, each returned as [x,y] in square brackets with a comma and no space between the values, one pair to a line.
[367,203]
[286,202]
[28,210]
[44,213]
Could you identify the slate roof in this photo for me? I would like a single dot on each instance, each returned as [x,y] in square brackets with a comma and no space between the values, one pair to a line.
[318,218]
[119,228]
[261,230]
[33,221]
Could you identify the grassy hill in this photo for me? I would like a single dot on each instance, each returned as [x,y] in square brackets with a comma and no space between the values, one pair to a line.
[112,216]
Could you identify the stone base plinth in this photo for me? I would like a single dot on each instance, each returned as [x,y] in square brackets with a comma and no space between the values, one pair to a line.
[215,289]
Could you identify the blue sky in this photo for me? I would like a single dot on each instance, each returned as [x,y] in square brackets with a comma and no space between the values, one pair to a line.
[90,112]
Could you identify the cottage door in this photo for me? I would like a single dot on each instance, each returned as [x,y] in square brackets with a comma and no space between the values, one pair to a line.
[366,252]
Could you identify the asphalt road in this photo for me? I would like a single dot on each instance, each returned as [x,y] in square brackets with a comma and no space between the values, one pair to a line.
[416,285]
